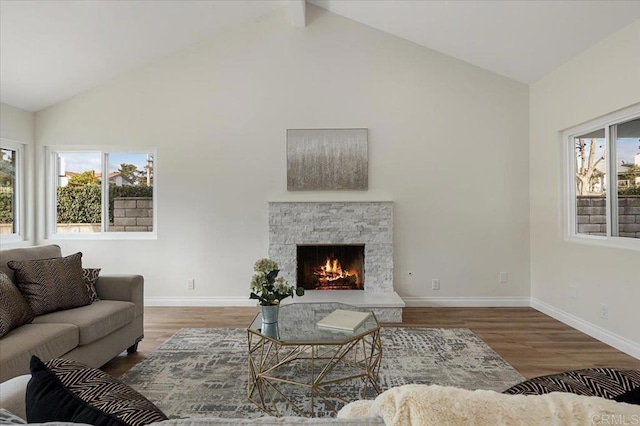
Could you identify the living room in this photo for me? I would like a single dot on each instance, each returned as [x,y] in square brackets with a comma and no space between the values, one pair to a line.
[467,205]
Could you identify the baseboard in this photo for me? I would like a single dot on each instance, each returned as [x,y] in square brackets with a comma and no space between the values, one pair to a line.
[465,302]
[409,301]
[199,301]
[621,343]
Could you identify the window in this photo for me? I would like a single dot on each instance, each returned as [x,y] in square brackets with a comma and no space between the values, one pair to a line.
[604,179]
[94,193]
[11,190]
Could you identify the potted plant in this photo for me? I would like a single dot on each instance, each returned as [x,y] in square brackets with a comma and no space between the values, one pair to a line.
[269,289]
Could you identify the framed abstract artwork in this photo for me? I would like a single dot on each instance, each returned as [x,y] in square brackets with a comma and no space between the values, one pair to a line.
[327,159]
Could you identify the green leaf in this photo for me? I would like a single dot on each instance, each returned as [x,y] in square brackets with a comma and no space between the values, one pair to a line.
[271,276]
[300,291]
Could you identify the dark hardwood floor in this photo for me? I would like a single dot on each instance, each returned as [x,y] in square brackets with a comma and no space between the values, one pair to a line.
[532,342]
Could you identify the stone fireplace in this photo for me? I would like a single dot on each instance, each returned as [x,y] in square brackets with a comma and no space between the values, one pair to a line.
[330,266]
[319,230]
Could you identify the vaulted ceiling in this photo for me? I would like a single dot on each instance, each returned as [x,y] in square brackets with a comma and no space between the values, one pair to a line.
[52,50]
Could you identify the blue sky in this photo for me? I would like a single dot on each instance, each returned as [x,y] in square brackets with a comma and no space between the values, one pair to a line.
[81,162]
[627,149]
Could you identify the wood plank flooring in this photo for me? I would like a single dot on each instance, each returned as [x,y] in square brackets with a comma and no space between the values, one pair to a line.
[532,342]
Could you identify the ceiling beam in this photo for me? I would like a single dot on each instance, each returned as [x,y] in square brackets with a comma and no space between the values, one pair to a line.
[298,13]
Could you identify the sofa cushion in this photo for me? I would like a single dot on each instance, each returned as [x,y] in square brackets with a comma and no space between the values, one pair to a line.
[93,321]
[51,284]
[90,276]
[8,418]
[27,253]
[45,340]
[65,390]
[14,310]
[12,394]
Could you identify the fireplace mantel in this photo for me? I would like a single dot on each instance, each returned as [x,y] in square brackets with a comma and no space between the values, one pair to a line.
[369,223]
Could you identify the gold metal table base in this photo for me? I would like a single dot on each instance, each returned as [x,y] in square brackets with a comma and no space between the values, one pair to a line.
[268,387]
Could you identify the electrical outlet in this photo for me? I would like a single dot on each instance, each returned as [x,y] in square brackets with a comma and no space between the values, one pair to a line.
[573,292]
[604,311]
[435,284]
[191,284]
[504,277]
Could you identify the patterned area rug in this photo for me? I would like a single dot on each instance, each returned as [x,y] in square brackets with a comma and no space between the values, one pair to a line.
[203,372]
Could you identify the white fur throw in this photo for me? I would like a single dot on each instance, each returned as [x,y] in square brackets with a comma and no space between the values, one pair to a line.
[437,405]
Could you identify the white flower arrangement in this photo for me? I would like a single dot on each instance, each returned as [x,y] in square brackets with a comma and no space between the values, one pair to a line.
[267,287]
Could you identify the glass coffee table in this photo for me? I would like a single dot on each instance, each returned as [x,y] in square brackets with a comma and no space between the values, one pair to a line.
[297,367]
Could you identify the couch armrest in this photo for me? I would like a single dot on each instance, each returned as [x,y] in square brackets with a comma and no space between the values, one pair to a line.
[128,288]
[12,395]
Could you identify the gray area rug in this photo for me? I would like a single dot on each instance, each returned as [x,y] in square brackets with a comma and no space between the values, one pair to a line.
[203,371]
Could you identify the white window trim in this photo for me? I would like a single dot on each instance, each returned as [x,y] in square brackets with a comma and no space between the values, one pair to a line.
[51,202]
[569,164]
[19,213]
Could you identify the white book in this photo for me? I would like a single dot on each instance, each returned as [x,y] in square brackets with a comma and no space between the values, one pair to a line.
[343,320]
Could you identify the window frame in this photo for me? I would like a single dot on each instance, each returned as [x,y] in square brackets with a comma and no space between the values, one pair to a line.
[51,168]
[19,214]
[569,181]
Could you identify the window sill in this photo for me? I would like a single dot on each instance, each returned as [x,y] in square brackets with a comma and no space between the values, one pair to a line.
[608,242]
[13,241]
[105,236]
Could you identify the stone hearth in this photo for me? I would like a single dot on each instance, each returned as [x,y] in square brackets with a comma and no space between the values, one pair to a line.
[369,223]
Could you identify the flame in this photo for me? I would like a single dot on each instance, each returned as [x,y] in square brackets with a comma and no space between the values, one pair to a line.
[332,271]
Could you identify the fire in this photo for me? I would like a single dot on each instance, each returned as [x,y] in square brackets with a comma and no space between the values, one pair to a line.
[332,271]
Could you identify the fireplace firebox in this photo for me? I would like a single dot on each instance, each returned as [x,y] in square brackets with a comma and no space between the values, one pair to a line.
[331,267]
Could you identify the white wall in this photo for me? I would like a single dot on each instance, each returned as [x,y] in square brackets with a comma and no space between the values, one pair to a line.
[448,143]
[17,125]
[601,80]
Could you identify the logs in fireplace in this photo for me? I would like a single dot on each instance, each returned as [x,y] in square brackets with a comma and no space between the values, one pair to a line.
[330,267]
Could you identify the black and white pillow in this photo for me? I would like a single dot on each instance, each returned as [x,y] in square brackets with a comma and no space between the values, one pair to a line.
[90,276]
[51,284]
[14,310]
[609,383]
[631,397]
[68,391]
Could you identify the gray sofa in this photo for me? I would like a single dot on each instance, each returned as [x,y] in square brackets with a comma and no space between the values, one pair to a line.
[92,334]
[421,405]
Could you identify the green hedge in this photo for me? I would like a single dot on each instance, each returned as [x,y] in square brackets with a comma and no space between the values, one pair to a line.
[81,204]
[6,207]
[632,190]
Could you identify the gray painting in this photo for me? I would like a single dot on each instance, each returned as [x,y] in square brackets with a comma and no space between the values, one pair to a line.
[327,159]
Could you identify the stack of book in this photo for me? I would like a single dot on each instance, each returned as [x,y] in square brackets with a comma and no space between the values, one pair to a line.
[343,320]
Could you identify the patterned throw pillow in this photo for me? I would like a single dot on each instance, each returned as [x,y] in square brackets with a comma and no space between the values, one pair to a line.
[90,277]
[608,383]
[65,390]
[14,310]
[51,284]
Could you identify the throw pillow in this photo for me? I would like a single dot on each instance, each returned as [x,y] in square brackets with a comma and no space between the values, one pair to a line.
[90,277]
[65,390]
[14,310]
[52,284]
[631,397]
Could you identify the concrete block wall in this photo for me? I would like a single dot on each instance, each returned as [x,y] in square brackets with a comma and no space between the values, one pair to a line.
[132,214]
[592,215]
